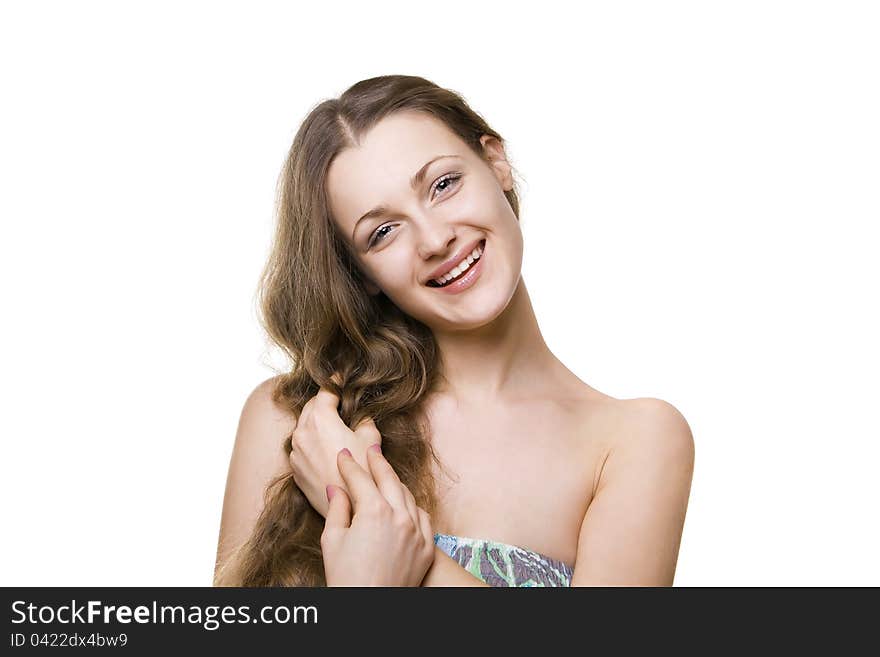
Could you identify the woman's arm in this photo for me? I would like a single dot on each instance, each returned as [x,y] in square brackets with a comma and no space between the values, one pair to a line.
[632,529]
[446,571]
[258,457]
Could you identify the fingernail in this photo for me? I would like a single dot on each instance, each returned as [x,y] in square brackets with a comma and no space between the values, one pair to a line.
[345,451]
[376,448]
[330,492]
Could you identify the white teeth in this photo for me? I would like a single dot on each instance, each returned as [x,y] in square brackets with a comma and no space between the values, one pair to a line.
[461,267]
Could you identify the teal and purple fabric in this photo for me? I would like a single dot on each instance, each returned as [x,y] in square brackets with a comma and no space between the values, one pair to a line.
[500,564]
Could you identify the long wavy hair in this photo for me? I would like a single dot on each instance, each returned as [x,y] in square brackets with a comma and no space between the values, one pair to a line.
[313,305]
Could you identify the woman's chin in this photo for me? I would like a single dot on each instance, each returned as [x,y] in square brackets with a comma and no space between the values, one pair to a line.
[478,311]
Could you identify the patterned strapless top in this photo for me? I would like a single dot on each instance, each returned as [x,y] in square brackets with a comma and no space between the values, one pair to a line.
[500,564]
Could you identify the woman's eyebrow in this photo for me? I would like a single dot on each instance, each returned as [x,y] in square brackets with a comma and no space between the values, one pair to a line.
[414,182]
[419,175]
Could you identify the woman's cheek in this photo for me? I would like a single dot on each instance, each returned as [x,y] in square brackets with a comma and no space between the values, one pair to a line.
[396,281]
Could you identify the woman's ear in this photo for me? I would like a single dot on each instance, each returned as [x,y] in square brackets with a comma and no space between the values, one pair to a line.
[493,151]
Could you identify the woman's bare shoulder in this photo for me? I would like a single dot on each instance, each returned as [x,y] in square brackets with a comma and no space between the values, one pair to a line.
[258,458]
[627,414]
[646,425]
[637,423]
[635,407]
[263,428]
[261,409]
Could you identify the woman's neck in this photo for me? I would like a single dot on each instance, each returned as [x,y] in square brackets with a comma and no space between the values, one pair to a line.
[502,360]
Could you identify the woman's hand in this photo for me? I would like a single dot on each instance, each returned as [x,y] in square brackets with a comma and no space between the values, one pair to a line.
[319,435]
[388,541]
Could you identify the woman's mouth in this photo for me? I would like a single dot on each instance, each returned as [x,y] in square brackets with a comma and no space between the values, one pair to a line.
[464,274]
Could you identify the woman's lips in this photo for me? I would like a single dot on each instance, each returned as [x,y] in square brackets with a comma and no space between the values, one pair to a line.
[467,279]
[455,260]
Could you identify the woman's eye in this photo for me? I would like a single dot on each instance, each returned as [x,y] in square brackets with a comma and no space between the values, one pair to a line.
[378,236]
[451,179]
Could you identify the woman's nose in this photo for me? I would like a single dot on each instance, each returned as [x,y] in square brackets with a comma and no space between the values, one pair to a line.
[435,240]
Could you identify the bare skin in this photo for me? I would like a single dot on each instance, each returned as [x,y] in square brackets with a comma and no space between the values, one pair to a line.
[522,472]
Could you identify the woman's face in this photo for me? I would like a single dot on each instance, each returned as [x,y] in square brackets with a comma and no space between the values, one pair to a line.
[458,202]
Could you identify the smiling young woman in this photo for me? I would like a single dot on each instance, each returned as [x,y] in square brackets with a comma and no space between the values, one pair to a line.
[395,283]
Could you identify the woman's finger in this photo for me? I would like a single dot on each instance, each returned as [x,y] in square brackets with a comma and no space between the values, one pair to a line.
[360,484]
[305,412]
[425,524]
[367,430]
[326,396]
[339,513]
[327,399]
[410,504]
[386,478]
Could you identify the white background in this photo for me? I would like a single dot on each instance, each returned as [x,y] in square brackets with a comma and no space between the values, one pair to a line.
[700,192]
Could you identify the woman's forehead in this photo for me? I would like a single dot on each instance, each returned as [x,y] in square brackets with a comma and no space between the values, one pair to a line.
[401,141]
